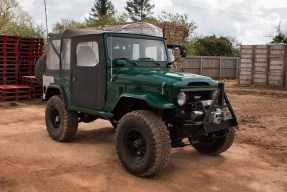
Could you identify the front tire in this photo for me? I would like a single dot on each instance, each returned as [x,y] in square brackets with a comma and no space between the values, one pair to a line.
[214,146]
[62,124]
[143,143]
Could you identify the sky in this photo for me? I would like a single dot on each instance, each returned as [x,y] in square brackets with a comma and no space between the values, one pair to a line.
[249,21]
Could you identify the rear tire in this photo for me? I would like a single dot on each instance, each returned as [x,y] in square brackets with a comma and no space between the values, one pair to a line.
[62,124]
[214,146]
[39,68]
[143,143]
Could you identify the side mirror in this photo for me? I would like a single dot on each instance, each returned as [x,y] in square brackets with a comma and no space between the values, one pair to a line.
[170,55]
[183,51]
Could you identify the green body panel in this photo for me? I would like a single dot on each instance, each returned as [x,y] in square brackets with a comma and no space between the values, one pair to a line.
[156,86]
[154,100]
[156,76]
[99,113]
[66,85]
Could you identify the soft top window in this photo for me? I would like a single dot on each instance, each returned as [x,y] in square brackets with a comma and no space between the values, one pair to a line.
[53,57]
[87,53]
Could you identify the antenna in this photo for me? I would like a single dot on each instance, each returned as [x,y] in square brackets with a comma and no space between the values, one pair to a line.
[47,30]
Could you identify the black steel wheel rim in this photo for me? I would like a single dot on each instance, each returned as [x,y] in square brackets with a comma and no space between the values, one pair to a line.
[55,116]
[136,145]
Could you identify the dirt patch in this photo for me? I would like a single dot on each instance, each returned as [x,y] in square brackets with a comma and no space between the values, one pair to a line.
[31,161]
[262,115]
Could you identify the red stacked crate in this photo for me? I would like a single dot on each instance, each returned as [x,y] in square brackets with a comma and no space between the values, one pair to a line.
[36,89]
[30,51]
[9,55]
[14,92]
[17,59]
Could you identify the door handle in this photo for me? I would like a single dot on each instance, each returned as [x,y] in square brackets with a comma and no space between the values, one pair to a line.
[74,79]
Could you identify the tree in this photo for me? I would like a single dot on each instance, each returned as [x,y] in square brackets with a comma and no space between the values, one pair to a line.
[101,9]
[15,21]
[139,10]
[67,23]
[102,13]
[104,20]
[280,36]
[122,17]
[214,46]
[7,14]
[189,26]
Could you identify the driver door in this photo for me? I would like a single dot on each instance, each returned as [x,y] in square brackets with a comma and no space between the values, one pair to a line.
[88,73]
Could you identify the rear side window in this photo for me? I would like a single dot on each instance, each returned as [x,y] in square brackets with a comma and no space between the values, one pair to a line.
[53,57]
[87,54]
[66,54]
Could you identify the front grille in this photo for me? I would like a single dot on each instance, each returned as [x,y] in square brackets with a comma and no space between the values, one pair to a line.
[194,96]
[197,84]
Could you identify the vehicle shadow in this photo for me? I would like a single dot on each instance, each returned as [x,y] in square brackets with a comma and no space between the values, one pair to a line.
[182,159]
[103,135]
[187,158]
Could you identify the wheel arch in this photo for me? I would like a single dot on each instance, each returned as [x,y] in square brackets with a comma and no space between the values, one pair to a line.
[54,89]
[130,102]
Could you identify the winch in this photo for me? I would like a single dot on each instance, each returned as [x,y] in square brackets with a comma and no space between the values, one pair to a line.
[217,116]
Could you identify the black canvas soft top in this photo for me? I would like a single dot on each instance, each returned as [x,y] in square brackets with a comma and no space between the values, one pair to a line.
[69,33]
[72,33]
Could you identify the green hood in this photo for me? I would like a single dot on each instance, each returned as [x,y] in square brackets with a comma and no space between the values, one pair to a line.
[157,77]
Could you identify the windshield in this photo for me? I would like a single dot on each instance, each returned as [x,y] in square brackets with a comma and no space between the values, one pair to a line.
[136,49]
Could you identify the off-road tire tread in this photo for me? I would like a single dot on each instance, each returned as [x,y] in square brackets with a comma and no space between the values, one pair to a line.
[160,139]
[39,68]
[70,120]
[222,146]
[229,139]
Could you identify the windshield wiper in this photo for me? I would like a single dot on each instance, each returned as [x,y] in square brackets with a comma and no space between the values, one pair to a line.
[145,59]
[157,63]
[126,59]
[149,59]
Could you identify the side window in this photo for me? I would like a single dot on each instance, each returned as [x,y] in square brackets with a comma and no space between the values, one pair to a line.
[53,57]
[87,54]
[66,54]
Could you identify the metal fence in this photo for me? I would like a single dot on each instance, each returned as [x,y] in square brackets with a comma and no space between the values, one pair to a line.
[214,67]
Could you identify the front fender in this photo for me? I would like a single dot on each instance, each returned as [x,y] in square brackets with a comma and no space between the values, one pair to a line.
[153,100]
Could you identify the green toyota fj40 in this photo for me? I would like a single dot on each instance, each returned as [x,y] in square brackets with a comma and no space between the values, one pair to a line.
[126,79]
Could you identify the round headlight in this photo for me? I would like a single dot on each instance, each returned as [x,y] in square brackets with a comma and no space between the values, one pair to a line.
[181,98]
